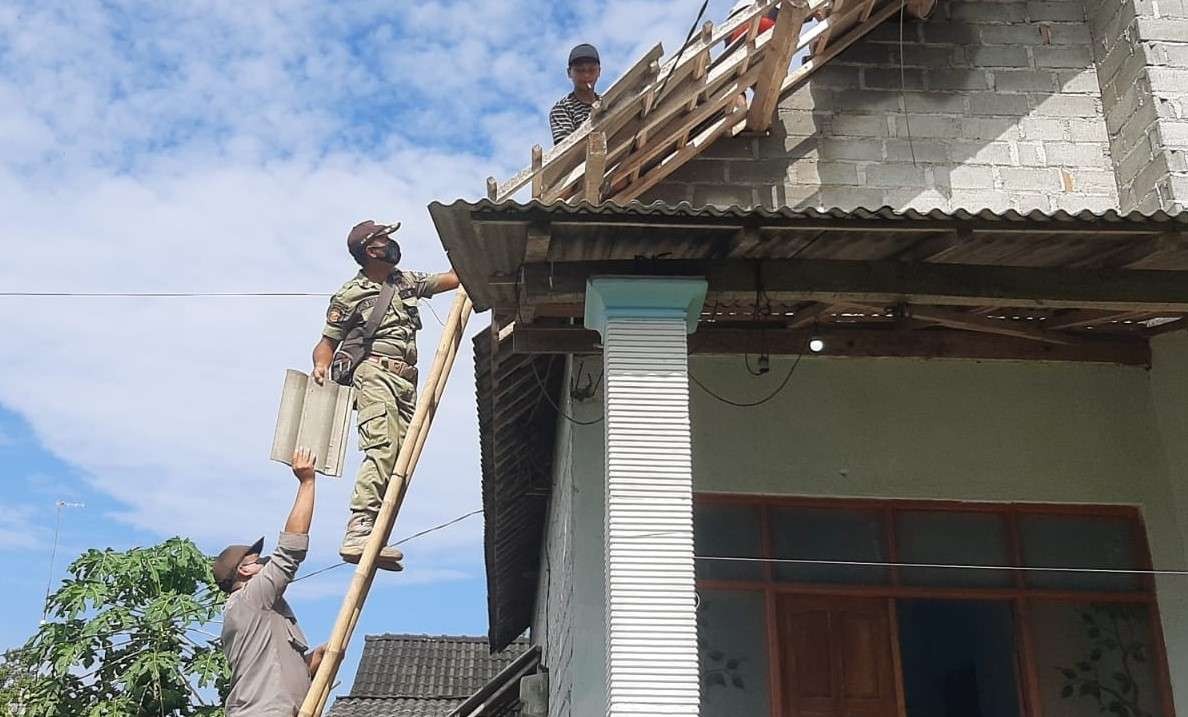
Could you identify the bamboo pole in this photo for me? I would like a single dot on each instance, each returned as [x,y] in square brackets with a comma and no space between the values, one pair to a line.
[410,450]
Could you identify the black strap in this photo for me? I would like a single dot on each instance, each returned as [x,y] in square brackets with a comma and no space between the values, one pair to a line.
[381,308]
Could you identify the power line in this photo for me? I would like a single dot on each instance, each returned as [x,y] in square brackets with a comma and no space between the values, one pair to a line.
[545,392]
[159,294]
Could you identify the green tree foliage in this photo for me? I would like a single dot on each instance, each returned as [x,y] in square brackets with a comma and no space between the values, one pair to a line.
[128,634]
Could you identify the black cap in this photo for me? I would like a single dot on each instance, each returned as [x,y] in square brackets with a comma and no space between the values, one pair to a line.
[584,51]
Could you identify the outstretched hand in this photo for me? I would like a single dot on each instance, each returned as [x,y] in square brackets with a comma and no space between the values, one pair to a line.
[304,462]
[314,658]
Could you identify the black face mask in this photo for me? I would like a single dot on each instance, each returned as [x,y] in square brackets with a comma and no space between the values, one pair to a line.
[391,253]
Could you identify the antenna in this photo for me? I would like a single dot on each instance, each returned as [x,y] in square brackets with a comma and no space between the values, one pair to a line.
[49,582]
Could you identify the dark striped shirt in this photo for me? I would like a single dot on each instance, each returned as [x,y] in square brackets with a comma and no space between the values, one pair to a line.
[567,115]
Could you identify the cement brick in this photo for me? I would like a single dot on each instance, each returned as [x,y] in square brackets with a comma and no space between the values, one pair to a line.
[1172,134]
[1028,179]
[993,129]
[706,170]
[722,195]
[1031,154]
[1024,81]
[968,177]
[866,101]
[836,76]
[1168,30]
[996,12]
[852,149]
[756,171]
[824,173]
[1154,172]
[890,32]
[934,102]
[1168,80]
[918,150]
[1091,182]
[892,78]
[1085,130]
[977,201]
[972,79]
[1069,154]
[1062,57]
[998,57]
[730,148]
[1177,160]
[798,195]
[1174,55]
[1024,34]
[1026,202]
[922,200]
[1078,81]
[992,103]
[668,192]
[850,198]
[894,175]
[1170,109]
[927,126]
[925,56]
[948,33]
[1179,189]
[865,53]
[807,98]
[1066,34]
[1073,203]
[1056,11]
[1042,128]
[980,153]
[1129,162]
[1067,106]
[1122,54]
[858,126]
[804,123]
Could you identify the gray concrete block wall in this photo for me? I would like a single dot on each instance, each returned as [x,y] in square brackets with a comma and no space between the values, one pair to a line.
[1140,48]
[996,104]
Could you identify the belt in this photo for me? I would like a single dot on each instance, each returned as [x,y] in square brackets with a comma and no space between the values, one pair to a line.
[396,366]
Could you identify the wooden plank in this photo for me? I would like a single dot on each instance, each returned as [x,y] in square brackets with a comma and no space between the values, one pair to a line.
[492,189]
[971,322]
[1077,319]
[814,63]
[823,41]
[857,343]
[884,283]
[702,64]
[775,65]
[804,317]
[537,164]
[934,247]
[595,167]
[867,8]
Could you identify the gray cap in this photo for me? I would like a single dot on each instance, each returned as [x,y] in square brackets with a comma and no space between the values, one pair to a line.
[584,51]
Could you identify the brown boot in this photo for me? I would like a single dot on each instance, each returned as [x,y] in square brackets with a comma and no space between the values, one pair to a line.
[357,532]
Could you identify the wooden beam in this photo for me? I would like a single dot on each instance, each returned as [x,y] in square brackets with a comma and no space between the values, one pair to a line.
[857,342]
[883,283]
[934,247]
[814,63]
[703,61]
[775,65]
[492,189]
[867,8]
[1077,319]
[804,317]
[823,42]
[595,167]
[537,163]
[972,322]
[536,249]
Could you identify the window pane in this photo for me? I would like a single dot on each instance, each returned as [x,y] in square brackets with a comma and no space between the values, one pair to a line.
[721,529]
[732,642]
[958,658]
[1090,656]
[1079,542]
[952,538]
[828,534]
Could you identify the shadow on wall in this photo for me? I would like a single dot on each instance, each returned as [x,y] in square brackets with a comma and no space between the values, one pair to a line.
[994,105]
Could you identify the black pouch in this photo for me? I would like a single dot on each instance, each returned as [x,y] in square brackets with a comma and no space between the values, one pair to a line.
[357,344]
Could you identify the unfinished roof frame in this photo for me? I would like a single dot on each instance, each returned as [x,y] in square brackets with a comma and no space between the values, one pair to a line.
[657,117]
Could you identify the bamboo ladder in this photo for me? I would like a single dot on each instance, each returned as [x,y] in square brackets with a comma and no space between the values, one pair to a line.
[406,462]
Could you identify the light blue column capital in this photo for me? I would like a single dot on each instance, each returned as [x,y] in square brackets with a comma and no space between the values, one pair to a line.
[643,297]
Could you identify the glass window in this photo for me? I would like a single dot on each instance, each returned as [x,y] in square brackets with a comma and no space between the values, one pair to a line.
[948,538]
[1079,542]
[958,658]
[732,642]
[828,534]
[722,529]
[1094,658]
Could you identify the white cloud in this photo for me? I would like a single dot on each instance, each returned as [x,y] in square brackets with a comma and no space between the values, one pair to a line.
[19,529]
[226,146]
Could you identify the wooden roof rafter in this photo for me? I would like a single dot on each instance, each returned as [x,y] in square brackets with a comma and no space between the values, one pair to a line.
[658,116]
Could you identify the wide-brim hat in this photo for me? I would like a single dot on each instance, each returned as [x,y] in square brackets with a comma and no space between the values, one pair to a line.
[227,563]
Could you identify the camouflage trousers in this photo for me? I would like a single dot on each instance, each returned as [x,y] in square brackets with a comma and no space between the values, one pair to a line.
[386,403]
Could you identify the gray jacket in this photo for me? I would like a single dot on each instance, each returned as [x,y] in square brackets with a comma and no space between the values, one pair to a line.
[266,648]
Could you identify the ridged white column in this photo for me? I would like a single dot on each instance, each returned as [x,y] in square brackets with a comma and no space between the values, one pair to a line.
[652,666]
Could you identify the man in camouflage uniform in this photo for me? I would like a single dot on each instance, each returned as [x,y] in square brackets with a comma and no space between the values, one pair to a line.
[386,381]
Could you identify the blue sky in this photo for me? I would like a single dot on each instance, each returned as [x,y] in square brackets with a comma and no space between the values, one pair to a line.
[228,146]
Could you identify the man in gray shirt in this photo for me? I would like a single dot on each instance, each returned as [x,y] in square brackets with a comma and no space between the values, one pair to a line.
[270,659]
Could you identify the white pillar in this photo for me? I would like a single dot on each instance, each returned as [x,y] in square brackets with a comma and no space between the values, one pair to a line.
[651,626]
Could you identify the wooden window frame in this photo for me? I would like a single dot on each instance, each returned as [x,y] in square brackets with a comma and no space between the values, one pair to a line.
[1019,594]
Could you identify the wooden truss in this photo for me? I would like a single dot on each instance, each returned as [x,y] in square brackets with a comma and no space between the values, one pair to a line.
[658,116]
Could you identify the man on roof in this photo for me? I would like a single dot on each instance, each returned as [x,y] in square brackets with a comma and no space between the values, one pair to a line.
[574,108]
[271,663]
[377,354]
